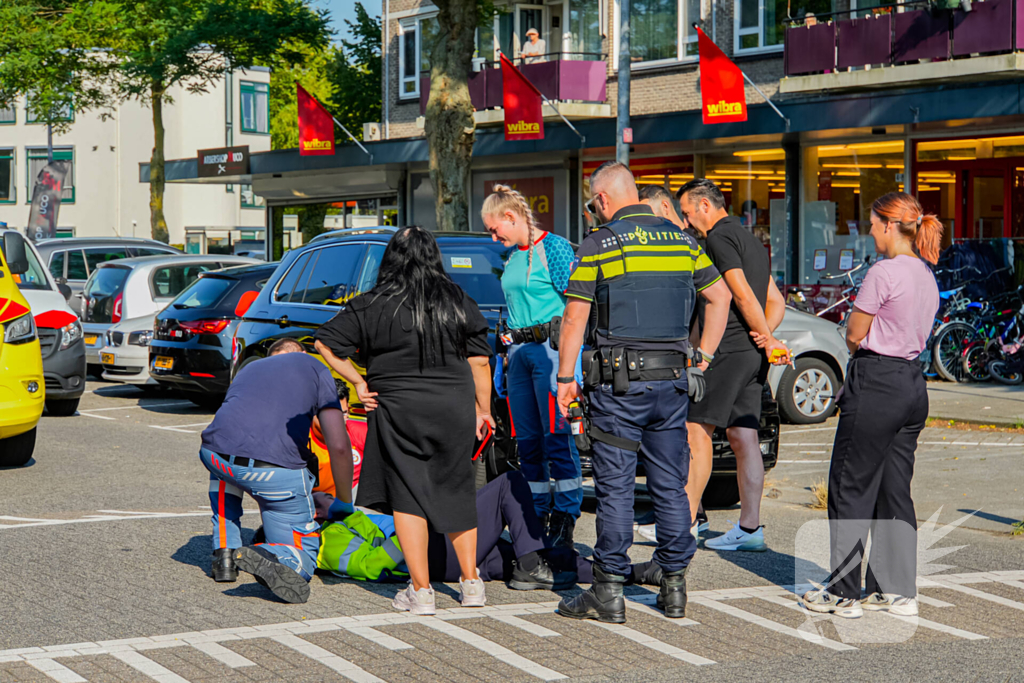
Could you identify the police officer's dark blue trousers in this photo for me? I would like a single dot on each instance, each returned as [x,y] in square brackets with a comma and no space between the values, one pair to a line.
[653,413]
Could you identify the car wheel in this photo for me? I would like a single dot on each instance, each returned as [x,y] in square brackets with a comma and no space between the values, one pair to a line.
[807,392]
[62,407]
[16,451]
[721,492]
[208,401]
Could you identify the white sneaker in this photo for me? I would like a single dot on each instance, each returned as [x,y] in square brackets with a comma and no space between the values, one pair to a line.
[648,531]
[419,602]
[738,539]
[825,603]
[472,593]
[891,603]
[695,532]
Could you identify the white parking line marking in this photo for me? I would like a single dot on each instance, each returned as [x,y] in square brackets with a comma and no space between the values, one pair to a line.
[155,405]
[223,655]
[56,671]
[497,651]
[771,625]
[813,429]
[98,417]
[798,462]
[528,626]
[147,666]
[654,644]
[382,639]
[328,659]
[101,518]
[184,429]
[998,599]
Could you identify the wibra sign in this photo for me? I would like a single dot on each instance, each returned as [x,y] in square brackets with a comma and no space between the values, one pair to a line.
[524,119]
[317,145]
[723,99]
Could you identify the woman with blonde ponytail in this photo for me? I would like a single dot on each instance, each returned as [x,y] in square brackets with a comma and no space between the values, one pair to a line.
[883,407]
[536,275]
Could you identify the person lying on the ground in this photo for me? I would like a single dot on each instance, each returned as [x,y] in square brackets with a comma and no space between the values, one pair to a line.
[506,502]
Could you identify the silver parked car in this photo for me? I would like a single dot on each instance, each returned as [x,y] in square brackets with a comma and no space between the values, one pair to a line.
[806,393]
[134,288]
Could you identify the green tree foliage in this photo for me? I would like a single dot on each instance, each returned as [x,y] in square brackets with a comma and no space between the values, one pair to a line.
[355,74]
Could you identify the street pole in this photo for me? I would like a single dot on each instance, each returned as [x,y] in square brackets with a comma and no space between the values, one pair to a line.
[49,143]
[622,110]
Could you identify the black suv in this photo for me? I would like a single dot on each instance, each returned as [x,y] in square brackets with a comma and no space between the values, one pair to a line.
[315,280]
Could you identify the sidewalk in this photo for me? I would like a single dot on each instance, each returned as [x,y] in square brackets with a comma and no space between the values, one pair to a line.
[986,403]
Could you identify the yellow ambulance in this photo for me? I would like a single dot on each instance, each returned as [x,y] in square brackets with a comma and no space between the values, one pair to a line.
[22,389]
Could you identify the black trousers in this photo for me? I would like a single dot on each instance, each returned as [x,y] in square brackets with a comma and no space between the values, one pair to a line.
[883,408]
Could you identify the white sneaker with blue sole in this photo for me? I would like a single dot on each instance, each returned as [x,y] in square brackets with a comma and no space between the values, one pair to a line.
[738,539]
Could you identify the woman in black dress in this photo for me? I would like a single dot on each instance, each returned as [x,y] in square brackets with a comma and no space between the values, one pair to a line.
[427,389]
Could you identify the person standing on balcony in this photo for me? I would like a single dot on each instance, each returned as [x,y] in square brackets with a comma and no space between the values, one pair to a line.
[737,373]
[535,279]
[883,407]
[534,48]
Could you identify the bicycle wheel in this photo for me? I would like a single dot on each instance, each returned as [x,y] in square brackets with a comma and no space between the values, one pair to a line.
[950,342]
[975,361]
[1001,373]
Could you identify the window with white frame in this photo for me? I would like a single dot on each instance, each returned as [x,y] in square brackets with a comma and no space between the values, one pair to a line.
[255,106]
[661,31]
[416,40]
[761,24]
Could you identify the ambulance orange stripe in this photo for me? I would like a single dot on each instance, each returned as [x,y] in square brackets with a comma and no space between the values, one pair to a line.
[220,514]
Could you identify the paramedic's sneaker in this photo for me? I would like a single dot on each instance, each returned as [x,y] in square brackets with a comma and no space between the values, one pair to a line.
[738,539]
[419,602]
[825,603]
[891,603]
[472,594]
[648,531]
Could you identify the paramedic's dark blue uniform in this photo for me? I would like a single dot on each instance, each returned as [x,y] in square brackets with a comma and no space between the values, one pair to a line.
[643,273]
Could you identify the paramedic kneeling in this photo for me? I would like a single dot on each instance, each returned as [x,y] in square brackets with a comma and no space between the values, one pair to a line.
[258,443]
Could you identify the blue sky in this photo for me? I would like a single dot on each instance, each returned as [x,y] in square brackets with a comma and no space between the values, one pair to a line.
[346,9]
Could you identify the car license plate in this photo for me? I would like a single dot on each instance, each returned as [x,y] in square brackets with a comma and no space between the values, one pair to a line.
[107,358]
[163,362]
[90,339]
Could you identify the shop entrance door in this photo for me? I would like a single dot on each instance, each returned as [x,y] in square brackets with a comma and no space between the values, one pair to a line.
[975,199]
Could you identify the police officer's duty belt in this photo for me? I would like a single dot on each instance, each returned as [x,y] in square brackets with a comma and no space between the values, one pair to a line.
[538,333]
[620,366]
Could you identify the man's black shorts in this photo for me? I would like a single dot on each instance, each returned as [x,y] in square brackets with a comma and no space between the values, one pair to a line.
[735,382]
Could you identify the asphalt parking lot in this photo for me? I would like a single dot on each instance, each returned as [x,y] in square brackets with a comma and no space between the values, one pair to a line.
[106,541]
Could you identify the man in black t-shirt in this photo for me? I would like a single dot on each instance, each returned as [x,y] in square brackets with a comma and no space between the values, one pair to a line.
[737,373]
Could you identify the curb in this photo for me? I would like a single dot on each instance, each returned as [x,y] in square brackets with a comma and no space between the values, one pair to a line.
[1005,424]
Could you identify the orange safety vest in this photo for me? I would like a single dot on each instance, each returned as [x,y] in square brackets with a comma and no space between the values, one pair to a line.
[356,427]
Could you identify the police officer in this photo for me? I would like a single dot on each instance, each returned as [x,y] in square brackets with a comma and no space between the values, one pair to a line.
[643,273]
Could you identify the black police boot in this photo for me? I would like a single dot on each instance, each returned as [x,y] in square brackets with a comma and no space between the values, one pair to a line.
[223,566]
[560,529]
[602,601]
[647,573]
[282,581]
[541,577]
[672,597]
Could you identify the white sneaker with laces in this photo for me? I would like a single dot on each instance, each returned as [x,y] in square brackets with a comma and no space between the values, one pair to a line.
[695,532]
[472,593]
[823,602]
[891,603]
[738,539]
[419,602]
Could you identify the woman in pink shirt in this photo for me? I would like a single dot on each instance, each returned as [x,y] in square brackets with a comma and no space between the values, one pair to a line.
[883,407]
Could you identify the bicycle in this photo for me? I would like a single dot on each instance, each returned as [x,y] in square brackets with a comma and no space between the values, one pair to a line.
[850,293]
[960,323]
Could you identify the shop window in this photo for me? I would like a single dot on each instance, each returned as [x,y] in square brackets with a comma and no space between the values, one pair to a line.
[37,160]
[8,115]
[8,188]
[761,24]
[841,182]
[417,38]
[971,149]
[249,199]
[661,30]
[255,105]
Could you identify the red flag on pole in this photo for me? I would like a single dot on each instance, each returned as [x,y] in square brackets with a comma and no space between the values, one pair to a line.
[316,125]
[524,119]
[723,99]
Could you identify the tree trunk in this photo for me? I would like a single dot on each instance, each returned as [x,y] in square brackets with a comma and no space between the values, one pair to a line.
[157,222]
[449,125]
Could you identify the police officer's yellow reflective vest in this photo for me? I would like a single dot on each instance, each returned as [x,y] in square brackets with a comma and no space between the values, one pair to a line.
[646,292]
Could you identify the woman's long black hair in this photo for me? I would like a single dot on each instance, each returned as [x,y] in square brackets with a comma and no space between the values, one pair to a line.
[411,271]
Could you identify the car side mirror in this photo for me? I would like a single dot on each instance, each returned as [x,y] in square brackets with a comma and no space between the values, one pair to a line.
[64,290]
[15,253]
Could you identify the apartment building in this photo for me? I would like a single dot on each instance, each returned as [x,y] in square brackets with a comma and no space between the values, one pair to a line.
[103,195]
[873,98]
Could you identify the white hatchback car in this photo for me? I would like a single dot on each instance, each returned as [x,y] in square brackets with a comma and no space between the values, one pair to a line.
[122,297]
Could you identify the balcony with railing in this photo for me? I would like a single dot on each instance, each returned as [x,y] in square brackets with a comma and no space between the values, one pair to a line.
[575,82]
[905,44]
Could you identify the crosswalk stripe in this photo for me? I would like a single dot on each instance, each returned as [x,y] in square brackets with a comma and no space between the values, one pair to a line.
[643,604]
[56,671]
[933,602]
[223,655]
[528,626]
[917,621]
[147,666]
[382,639]
[1013,584]
[654,644]
[771,625]
[998,599]
[497,651]
[328,659]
